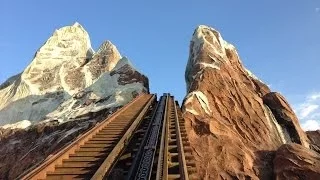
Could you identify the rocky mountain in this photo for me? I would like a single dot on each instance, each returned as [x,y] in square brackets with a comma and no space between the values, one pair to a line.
[67,80]
[65,89]
[238,128]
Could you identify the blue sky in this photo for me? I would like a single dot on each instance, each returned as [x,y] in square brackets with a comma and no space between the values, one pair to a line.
[277,40]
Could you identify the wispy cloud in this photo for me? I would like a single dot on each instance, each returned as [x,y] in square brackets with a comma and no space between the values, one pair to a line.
[317,10]
[314,96]
[306,109]
[308,112]
[311,125]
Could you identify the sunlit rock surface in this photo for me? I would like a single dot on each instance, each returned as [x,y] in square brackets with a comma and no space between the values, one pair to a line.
[65,90]
[293,161]
[235,124]
[314,137]
[67,79]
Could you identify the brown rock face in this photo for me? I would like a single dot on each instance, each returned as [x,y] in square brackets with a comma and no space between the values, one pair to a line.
[231,128]
[129,75]
[294,161]
[314,137]
[22,149]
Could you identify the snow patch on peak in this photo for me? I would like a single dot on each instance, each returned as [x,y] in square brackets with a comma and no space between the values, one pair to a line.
[106,46]
[110,51]
[76,24]
[217,45]
[208,65]
[69,42]
[212,37]
[227,45]
[249,73]
[19,125]
[208,40]
[66,50]
[201,27]
[74,32]
[75,29]
[192,111]
[201,98]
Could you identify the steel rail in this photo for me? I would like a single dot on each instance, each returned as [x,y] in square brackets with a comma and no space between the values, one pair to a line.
[163,148]
[136,161]
[125,161]
[146,164]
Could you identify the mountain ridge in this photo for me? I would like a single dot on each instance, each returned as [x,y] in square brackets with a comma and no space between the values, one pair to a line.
[63,66]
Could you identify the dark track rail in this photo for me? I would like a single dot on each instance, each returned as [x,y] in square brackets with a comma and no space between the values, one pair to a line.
[92,155]
[146,165]
[125,162]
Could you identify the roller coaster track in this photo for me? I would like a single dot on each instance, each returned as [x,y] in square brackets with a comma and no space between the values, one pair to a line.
[145,139]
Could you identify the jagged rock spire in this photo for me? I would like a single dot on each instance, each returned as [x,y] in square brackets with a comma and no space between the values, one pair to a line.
[228,112]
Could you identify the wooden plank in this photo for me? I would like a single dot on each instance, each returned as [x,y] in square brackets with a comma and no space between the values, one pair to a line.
[107,164]
[49,164]
[182,157]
